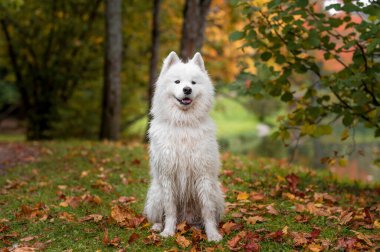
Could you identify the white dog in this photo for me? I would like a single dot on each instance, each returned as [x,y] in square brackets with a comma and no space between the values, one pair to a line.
[184,156]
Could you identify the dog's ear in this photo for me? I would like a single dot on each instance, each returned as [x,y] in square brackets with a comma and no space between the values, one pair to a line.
[198,60]
[169,61]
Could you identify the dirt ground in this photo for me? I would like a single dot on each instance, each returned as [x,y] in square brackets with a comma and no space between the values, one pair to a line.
[12,154]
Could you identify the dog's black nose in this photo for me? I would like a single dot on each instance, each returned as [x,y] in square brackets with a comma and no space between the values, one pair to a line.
[187,90]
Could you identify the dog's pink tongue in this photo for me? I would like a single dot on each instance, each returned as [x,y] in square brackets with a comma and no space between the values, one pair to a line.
[186,100]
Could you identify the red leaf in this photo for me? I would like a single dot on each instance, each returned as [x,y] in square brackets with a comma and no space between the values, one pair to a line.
[105,237]
[277,236]
[315,233]
[133,237]
[233,243]
[251,245]
[293,181]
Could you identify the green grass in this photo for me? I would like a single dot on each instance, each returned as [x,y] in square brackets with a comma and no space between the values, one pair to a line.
[11,137]
[75,168]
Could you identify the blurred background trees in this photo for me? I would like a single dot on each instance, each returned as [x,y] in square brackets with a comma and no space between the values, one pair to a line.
[110,122]
[298,70]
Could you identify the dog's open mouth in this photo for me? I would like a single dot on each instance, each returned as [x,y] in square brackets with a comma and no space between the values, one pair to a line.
[185,101]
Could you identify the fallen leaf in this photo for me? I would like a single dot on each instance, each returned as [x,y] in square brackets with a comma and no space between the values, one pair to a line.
[300,208]
[228,227]
[120,214]
[315,233]
[197,235]
[285,230]
[277,235]
[289,196]
[66,216]
[293,181]
[299,239]
[228,173]
[28,238]
[94,217]
[345,217]
[25,249]
[73,202]
[251,243]
[152,239]
[134,236]
[253,196]
[124,199]
[347,243]
[314,247]
[301,218]
[253,219]
[182,241]
[363,237]
[376,224]
[182,227]
[115,242]
[105,239]
[242,196]
[272,210]
[232,244]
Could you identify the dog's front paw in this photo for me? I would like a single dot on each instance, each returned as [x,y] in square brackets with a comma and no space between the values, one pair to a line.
[167,233]
[157,227]
[214,236]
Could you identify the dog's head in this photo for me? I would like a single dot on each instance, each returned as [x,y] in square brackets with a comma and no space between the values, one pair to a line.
[183,89]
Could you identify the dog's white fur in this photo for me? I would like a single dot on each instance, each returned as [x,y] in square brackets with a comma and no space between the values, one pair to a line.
[184,156]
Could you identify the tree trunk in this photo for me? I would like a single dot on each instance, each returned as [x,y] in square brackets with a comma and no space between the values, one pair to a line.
[194,23]
[110,123]
[154,50]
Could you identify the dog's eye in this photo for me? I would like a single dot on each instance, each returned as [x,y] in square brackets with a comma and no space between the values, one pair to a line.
[177,81]
[193,82]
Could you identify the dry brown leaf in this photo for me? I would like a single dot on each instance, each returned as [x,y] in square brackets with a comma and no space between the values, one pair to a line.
[299,238]
[228,227]
[300,208]
[115,242]
[272,210]
[28,238]
[25,249]
[105,239]
[345,217]
[94,217]
[182,241]
[197,235]
[66,216]
[124,199]
[134,236]
[363,237]
[254,219]
[152,239]
[182,227]
[254,196]
[314,247]
[301,218]
[233,243]
[289,196]
[121,214]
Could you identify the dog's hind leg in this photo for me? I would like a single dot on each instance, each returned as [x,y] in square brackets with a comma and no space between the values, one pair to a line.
[154,208]
[210,197]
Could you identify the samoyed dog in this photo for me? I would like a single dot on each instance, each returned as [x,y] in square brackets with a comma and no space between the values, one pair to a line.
[184,156]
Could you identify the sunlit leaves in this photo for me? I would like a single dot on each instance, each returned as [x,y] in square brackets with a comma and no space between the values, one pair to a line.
[299,46]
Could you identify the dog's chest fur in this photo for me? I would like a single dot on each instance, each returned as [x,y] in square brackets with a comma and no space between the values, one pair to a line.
[184,154]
